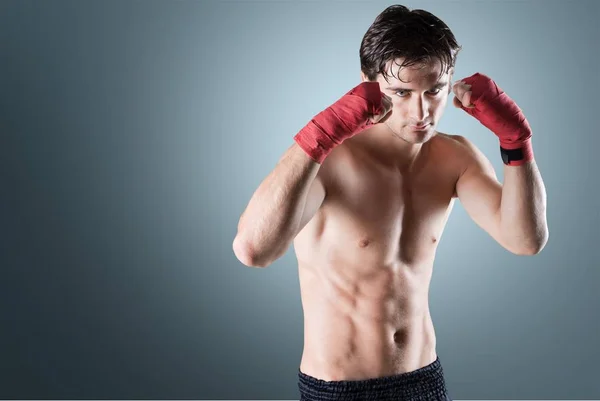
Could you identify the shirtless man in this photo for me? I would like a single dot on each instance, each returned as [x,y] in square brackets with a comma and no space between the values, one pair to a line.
[364,193]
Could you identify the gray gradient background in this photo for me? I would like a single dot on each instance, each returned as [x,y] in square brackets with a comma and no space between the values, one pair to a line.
[134,133]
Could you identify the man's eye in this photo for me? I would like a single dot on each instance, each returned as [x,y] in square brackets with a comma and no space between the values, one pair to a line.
[403,93]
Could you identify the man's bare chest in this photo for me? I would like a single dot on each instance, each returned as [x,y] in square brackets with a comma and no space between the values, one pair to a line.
[387,210]
[376,211]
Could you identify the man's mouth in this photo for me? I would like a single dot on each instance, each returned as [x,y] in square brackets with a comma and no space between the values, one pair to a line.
[419,127]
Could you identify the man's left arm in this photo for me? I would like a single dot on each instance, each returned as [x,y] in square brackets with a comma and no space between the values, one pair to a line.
[514,213]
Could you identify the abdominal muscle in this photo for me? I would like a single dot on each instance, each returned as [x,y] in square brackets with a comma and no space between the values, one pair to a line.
[364,325]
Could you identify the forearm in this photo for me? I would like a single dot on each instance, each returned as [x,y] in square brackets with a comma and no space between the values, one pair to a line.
[275,209]
[523,208]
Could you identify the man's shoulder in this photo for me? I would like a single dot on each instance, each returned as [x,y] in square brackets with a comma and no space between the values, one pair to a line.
[448,147]
[467,154]
[455,141]
[453,154]
[458,146]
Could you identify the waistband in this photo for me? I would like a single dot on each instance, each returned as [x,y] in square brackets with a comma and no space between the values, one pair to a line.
[424,384]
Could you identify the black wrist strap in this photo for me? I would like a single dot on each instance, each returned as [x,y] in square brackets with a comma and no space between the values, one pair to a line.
[509,155]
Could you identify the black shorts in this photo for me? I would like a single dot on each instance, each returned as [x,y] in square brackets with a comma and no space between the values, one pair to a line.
[424,384]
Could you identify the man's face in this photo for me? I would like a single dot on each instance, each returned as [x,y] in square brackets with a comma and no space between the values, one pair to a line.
[417,103]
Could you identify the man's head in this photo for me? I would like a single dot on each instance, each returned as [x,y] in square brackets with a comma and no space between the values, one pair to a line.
[411,53]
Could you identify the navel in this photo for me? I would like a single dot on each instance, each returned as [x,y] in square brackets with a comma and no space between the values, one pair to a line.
[401,336]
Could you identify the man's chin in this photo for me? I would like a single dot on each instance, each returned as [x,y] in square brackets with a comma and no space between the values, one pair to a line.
[417,137]
[425,136]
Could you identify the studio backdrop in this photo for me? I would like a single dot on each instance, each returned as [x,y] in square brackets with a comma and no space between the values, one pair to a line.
[133,134]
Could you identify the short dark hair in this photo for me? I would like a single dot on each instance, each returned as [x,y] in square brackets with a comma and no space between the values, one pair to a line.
[417,36]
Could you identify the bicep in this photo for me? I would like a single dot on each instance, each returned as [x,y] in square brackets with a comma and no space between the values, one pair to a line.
[479,190]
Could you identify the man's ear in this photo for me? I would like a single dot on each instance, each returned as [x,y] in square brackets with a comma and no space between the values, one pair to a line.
[363,77]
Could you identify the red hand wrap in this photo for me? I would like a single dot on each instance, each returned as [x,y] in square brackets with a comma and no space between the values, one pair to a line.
[340,121]
[498,112]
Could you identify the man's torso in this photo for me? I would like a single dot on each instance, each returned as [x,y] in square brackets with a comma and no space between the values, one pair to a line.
[366,258]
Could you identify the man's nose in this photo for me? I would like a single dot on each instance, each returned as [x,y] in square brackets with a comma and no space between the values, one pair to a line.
[419,109]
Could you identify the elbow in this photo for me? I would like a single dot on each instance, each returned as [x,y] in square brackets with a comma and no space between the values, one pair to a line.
[532,247]
[528,251]
[244,253]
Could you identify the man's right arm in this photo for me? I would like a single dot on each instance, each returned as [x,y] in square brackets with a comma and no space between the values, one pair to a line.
[283,204]
[276,212]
